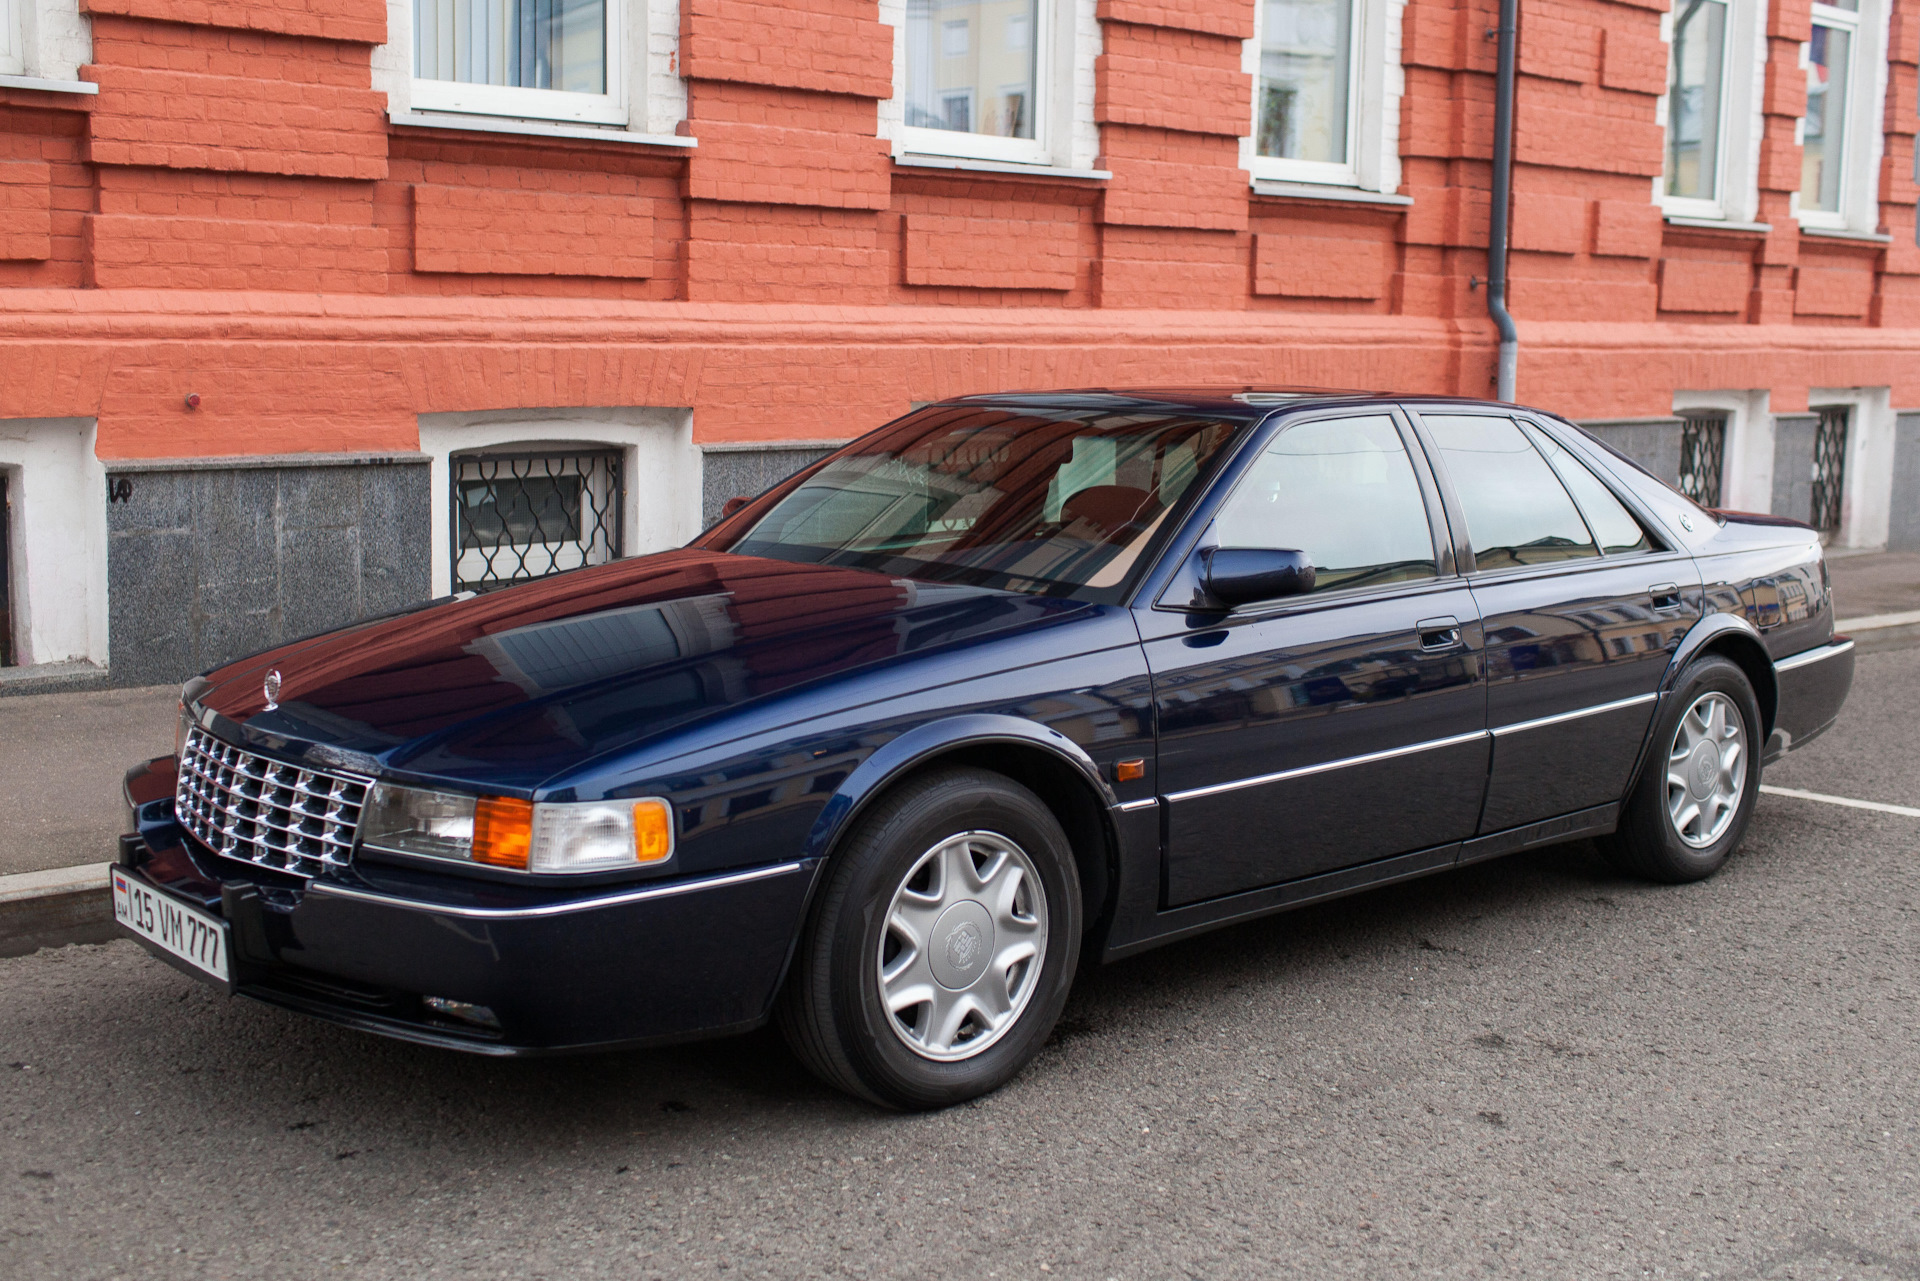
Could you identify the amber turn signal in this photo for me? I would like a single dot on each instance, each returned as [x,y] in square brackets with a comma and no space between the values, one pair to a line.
[652,832]
[502,832]
[1129,771]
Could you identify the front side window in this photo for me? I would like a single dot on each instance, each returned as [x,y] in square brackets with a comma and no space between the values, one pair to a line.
[1825,131]
[1304,107]
[1049,502]
[973,77]
[1518,512]
[548,58]
[1696,100]
[1343,491]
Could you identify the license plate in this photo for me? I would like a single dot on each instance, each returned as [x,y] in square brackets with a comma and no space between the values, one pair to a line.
[178,930]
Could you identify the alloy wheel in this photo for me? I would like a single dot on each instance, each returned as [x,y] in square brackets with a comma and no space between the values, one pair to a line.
[1706,769]
[961,953]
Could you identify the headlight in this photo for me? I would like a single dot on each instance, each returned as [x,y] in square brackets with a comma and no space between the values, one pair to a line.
[496,831]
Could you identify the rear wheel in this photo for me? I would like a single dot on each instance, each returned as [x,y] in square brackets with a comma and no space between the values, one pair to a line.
[940,950]
[1690,808]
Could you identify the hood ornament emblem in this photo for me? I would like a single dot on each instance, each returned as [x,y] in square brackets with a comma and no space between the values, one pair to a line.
[271,688]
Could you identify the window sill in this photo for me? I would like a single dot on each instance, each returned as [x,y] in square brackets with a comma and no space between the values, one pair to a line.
[914,160]
[1315,191]
[48,86]
[1844,233]
[1720,224]
[533,128]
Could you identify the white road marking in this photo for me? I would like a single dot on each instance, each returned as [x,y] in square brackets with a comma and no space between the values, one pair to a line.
[1872,621]
[1849,802]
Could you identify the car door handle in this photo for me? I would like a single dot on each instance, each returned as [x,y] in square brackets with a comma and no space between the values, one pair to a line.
[1665,595]
[1438,633]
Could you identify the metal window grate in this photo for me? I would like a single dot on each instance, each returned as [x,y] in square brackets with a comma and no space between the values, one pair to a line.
[1829,466]
[1703,447]
[264,811]
[520,517]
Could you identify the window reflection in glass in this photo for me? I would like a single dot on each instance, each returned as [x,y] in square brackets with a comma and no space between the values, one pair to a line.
[1694,99]
[1517,512]
[1824,135]
[970,66]
[521,44]
[1306,67]
[1342,491]
[1058,503]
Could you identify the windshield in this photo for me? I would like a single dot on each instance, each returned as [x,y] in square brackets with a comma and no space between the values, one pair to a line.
[1055,502]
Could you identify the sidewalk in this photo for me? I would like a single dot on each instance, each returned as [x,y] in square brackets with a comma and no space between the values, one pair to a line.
[62,755]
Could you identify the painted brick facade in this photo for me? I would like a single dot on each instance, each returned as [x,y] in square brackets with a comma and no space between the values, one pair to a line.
[235,215]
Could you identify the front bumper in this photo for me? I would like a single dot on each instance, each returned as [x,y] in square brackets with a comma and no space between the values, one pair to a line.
[609,966]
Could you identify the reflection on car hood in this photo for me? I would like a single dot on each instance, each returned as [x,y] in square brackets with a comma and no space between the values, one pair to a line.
[514,686]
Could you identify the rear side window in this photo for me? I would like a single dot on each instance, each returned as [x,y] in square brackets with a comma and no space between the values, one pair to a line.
[1619,533]
[1518,512]
[1341,490]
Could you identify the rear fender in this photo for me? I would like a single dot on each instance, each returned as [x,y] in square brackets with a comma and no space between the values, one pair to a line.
[1737,639]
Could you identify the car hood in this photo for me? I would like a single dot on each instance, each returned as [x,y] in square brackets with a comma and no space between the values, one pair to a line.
[511,688]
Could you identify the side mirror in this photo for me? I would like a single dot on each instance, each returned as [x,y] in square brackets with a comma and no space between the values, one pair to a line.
[1243,575]
[733,506]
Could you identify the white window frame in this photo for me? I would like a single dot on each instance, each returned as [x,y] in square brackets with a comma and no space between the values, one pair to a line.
[1746,461]
[1374,89]
[1053,34]
[1742,84]
[43,45]
[13,37]
[1866,94]
[609,108]
[660,460]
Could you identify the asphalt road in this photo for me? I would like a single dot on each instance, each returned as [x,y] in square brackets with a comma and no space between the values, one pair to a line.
[1528,1068]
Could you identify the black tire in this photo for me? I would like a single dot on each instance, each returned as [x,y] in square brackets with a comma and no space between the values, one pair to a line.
[1647,843]
[831,1010]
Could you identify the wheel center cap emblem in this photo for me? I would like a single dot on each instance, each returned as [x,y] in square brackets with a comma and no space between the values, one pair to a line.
[271,688]
[961,945]
[1703,771]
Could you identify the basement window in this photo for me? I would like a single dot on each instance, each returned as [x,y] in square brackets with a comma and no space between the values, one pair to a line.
[521,517]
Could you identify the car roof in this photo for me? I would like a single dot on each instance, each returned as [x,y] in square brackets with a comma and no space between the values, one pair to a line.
[1242,401]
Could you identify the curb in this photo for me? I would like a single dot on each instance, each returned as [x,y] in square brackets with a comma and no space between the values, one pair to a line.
[56,907]
[1881,631]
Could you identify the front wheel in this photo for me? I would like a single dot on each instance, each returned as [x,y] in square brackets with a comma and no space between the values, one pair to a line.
[941,948]
[1690,808]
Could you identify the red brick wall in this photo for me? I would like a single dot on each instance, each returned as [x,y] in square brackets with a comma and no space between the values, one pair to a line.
[233,214]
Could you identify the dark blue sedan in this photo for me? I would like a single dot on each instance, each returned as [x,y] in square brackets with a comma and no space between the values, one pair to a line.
[1013,681]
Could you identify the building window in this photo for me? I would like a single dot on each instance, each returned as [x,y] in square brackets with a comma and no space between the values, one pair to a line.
[1840,143]
[1703,448]
[974,78]
[1830,467]
[545,59]
[1823,135]
[6,591]
[13,52]
[1306,98]
[523,516]
[1696,100]
[1326,92]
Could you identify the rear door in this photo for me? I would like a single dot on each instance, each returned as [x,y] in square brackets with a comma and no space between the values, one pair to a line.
[1582,608]
[1321,731]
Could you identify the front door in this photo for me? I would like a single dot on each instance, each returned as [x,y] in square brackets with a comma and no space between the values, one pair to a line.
[1581,608]
[1321,731]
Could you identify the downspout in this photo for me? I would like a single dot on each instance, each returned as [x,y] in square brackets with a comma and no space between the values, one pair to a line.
[1502,198]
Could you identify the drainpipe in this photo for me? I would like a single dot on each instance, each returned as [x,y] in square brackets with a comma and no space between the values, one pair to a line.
[1502,197]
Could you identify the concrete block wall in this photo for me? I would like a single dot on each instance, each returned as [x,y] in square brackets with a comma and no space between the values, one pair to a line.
[1903,533]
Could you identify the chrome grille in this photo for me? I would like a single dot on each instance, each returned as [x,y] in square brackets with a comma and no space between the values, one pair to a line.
[264,811]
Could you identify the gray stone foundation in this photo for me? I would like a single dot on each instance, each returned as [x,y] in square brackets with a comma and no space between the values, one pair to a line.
[212,560]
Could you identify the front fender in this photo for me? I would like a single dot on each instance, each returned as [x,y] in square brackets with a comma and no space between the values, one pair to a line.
[923,742]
